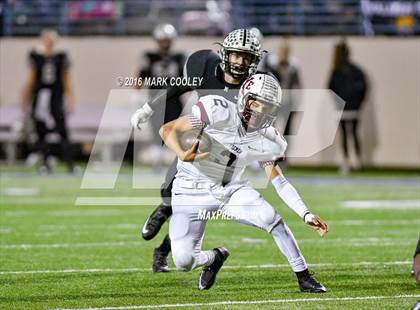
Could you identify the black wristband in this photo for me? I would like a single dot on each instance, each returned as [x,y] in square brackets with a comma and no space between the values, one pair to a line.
[306,213]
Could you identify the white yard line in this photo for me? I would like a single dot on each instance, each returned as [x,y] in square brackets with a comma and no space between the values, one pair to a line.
[381,204]
[249,302]
[21,191]
[117,201]
[138,225]
[261,266]
[26,246]
[360,242]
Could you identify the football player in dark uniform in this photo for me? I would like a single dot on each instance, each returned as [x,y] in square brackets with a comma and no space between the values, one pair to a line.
[163,63]
[47,85]
[238,58]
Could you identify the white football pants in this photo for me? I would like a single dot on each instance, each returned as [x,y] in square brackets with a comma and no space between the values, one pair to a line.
[240,202]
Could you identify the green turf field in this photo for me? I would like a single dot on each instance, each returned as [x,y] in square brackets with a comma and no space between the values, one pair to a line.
[54,254]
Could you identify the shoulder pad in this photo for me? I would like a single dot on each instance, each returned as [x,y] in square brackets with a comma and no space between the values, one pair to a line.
[197,62]
[212,109]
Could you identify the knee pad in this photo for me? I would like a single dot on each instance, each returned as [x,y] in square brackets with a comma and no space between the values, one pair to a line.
[268,216]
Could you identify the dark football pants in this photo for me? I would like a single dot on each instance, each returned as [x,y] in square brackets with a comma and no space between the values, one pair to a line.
[60,127]
[344,124]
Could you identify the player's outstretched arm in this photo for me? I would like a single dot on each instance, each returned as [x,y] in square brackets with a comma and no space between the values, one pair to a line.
[143,114]
[169,133]
[291,197]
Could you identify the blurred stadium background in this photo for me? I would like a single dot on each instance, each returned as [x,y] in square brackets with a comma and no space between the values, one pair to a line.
[105,40]
[42,229]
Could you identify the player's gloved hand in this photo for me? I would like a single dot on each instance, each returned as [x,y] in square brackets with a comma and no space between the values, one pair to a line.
[316,223]
[192,153]
[142,115]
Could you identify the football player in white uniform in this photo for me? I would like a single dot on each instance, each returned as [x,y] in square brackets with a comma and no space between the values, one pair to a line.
[213,181]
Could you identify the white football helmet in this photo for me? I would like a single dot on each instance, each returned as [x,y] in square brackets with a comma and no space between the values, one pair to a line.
[240,40]
[164,31]
[259,101]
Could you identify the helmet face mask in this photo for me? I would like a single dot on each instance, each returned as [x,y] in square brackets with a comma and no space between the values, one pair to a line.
[257,113]
[259,101]
[234,66]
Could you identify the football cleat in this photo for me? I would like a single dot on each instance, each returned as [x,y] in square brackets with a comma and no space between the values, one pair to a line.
[208,274]
[160,261]
[155,221]
[311,285]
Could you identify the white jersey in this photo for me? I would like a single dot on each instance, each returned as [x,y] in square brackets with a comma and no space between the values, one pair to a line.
[232,147]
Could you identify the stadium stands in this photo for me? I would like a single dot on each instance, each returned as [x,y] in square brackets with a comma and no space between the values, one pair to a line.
[134,17]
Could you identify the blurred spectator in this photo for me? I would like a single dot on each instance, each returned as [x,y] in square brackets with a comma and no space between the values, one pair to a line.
[348,81]
[162,62]
[48,83]
[285,67]
[262,65]
[209,17]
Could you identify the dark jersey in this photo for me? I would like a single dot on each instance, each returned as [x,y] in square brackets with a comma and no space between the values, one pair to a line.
[349,82]
[49,72]
[49,78]
[204,64]
[157,65]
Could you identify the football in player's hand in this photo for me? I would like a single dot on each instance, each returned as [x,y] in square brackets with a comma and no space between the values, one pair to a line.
[188,138]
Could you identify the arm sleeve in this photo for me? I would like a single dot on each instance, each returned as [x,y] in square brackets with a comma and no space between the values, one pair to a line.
[290,196]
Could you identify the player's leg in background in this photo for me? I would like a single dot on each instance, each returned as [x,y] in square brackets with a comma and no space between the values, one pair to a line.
[248,207]
[159,216]
[345,167]
[155,221]
[41,144]
[355,126]
[65,146]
